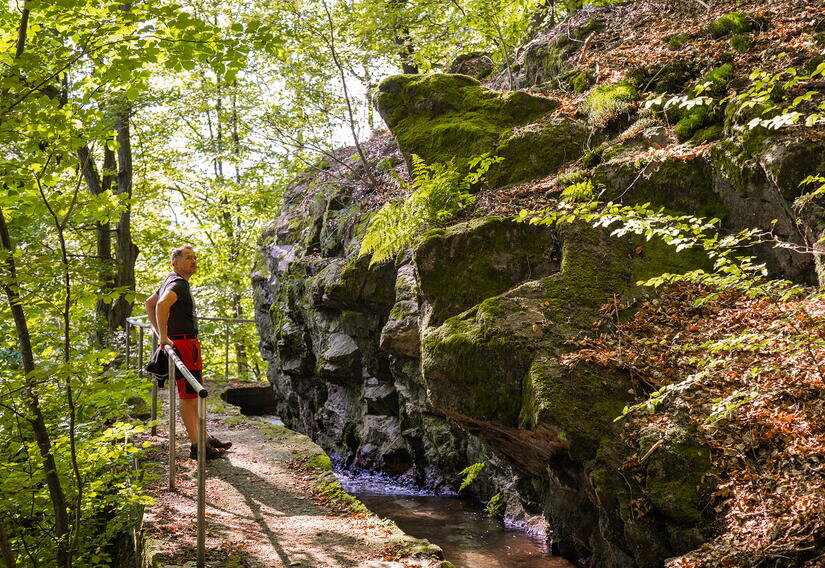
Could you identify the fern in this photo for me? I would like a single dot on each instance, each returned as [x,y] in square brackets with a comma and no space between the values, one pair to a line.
[581,191]
[470,473]
[437,193]
[495,506]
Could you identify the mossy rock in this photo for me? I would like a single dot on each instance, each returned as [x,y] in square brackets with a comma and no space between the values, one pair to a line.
[452,117]
[668,78]
[730,23]
[579,81]
[473,367]
[679,185]
[480,363]
[536,150]
[545,62]
[582,403]
[460,266]
[354,285]
[673,474]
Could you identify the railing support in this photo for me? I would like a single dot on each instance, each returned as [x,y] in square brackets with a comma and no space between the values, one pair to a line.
[154,392]
[201,481]
[128,346]
[172,392]
[140,350]
[226,354]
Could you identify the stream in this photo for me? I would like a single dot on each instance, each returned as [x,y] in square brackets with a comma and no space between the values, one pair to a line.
[461,527]
[469,538]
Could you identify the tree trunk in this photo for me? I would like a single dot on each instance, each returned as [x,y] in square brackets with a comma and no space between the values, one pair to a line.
[5,547]
[38,423]
[127,252]
[96,186]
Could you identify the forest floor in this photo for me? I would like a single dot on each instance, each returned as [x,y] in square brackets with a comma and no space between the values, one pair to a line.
[263,508]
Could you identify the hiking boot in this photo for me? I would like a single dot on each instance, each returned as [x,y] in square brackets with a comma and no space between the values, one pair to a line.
[215,443]
[211,452]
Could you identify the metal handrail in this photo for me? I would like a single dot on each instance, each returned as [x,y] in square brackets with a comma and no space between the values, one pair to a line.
[202,394]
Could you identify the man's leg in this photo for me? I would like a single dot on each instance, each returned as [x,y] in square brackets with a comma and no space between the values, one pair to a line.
[189,414]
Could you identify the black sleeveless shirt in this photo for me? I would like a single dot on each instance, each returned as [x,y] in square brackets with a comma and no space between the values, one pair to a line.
[182,316]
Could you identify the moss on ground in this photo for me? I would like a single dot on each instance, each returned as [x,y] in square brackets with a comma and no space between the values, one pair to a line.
[608,101]
[730,23]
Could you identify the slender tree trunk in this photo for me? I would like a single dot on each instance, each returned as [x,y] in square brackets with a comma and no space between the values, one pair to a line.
[334,52]
[240,350]
[60,229]
[127,252]
[38,423]
[96,186]
[402,39]
[5,547]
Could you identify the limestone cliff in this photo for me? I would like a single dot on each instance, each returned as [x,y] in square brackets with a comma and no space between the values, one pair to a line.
[453,353]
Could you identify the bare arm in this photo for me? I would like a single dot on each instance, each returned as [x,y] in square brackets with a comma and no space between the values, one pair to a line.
[162,315]
[150,304]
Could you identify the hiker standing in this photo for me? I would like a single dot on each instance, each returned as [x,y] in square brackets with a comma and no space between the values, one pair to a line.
[171,311]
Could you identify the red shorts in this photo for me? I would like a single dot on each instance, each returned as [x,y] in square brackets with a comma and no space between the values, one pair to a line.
[189,350]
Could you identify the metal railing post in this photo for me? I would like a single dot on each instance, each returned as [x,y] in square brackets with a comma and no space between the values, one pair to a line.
[226,354]
[140,352]
[128,345]
[154,392]
[172,392]
[201,481]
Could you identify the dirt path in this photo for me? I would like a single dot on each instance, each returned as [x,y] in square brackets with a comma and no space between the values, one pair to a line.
[264,508]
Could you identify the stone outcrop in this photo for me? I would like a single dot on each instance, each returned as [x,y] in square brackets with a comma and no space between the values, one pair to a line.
[454,353]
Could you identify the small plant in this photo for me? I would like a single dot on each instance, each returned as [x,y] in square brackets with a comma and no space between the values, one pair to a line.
[470,473]
[581,191]
[495,506]
[439,192]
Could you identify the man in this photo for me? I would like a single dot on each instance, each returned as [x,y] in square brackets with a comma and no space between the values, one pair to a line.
[172,313]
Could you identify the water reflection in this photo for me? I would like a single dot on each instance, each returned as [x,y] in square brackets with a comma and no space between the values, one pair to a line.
[469,538]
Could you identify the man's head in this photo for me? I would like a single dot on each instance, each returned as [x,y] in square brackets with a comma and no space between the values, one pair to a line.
[184,261]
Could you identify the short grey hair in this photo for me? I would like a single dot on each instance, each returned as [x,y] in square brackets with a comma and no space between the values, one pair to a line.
[178,252]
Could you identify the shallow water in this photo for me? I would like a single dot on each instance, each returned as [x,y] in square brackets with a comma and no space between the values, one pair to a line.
[469,538]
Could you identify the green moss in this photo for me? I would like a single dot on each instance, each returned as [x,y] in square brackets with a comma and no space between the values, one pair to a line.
[731,23]
[400,311]
[740,42]
[719,77]
[441,117]
[676,41]
[606,102]
[668,78]
[536,150]
[578,81]
[673,476]
[474,367]
[708,134]
[581,402]
[692,121]
[333,491]
[321,461]
[461,266]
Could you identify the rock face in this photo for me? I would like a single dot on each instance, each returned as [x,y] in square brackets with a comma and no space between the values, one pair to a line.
[454,354]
